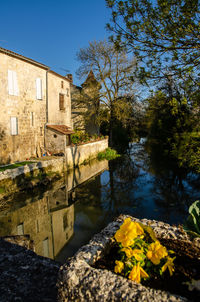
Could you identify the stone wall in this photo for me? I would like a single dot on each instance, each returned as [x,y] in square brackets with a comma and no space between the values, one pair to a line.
[30,175]
[55,164]
[55,142]
[76,155]
[24,105]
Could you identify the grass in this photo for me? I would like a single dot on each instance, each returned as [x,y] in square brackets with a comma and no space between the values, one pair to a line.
[108,154]
[16,165]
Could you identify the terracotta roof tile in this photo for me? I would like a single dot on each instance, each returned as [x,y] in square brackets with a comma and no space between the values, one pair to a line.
[61,128]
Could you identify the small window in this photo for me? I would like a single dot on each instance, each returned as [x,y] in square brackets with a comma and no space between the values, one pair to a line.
[14,125]
[67,91]
[62,84]
[39,89]
[41,131]
[61,101]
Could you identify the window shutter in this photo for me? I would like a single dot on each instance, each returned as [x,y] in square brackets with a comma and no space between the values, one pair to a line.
[10,82]
[61,101]
[15,85]
[13,125]
[39,89]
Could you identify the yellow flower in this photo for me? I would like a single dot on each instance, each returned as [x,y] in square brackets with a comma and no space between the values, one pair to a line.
[137,273]
[119,266]
[156,252]
[170,265]
[128,231]
[133,253]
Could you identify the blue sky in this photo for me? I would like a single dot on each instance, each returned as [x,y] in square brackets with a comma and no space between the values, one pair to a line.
[52,31]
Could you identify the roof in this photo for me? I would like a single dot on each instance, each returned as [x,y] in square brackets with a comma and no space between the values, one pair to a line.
[63,129]
[91,80]
[59,75]
[16,55]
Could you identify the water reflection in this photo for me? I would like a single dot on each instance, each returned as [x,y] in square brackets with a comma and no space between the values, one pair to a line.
[49,222]
[65,217]
[48,217]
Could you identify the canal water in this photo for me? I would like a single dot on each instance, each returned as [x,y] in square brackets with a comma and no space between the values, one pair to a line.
[65,216]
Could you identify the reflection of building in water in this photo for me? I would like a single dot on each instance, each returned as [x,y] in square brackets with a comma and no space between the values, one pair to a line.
[49,222]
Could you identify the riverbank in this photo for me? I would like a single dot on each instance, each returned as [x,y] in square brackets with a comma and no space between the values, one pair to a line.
[48,168]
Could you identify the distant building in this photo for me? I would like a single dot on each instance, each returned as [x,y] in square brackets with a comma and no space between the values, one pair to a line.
[85,105]
[33,100]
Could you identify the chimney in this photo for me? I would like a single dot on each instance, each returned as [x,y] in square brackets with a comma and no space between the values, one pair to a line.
[69,76]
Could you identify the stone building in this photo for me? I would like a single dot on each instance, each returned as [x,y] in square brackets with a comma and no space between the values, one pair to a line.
[85,105]
[31,97]
[59,124]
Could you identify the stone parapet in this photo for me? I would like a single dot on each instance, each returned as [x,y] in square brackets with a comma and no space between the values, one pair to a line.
[76,155]
[79,281]
[55,164]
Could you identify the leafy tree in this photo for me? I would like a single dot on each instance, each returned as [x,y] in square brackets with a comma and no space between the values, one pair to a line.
[162,34]
[113,70]
[173,126]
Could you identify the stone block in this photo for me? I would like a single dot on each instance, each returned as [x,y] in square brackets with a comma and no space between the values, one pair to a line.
[79,281]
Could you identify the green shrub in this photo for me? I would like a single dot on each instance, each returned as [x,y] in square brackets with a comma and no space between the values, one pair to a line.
[108,154]
[83,137]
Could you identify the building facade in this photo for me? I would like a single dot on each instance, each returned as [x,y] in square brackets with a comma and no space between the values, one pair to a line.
[31,97]
[59,124]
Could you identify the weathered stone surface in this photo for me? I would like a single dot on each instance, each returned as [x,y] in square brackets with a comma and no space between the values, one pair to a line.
[25,276]
[79,281]
[76,155]
[55,164]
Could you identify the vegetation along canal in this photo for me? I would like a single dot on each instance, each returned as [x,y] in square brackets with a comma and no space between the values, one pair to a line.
[63,218]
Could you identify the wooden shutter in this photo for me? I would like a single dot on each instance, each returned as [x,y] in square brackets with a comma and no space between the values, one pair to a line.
[61,101]
[13,125]
[15,85]
[39,89]
[10,82]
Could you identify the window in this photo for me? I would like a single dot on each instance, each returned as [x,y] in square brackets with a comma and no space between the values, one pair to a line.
[39,89]
[12,83]
[61,101]
[67,91]
[62,84]
[13,125]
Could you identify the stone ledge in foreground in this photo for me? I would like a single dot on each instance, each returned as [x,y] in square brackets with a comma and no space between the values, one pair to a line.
[78,281]
[25,276]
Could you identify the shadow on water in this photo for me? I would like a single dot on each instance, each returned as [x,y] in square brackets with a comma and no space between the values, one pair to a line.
[140,183]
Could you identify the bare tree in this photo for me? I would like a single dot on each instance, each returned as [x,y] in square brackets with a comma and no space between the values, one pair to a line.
[113,70]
